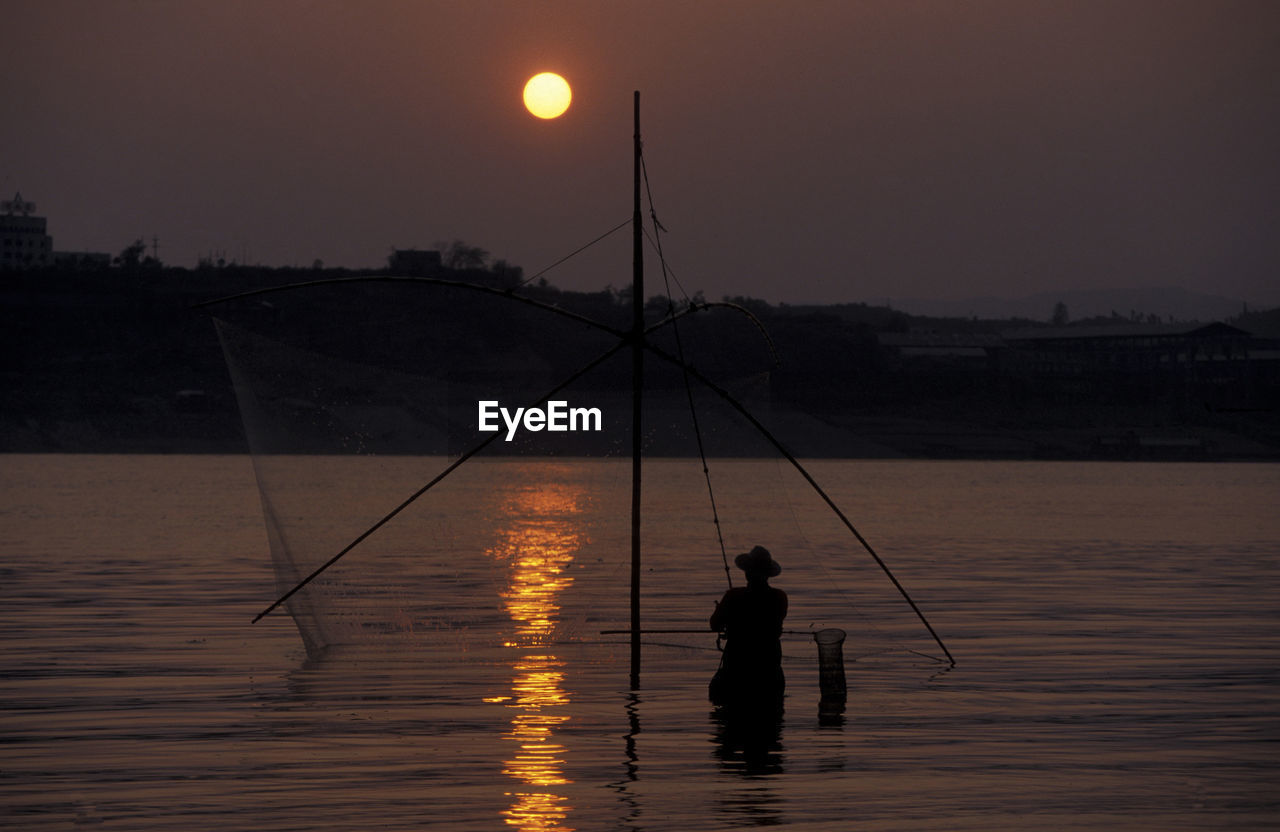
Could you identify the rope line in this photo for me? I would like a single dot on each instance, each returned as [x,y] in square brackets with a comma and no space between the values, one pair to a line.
[694,305]
[688,385]
[575,252]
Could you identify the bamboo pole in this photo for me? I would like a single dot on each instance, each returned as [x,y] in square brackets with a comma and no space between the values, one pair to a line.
[637,389]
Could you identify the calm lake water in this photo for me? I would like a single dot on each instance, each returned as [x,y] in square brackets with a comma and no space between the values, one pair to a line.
[1115,627]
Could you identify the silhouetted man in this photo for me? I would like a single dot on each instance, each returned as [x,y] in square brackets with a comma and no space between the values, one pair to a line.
[751,619]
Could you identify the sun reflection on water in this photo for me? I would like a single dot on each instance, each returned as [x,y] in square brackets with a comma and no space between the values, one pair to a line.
[538,546]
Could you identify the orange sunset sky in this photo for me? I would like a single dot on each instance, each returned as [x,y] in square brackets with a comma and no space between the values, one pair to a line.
[814,151]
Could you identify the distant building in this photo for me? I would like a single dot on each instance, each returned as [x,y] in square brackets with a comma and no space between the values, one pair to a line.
[1205,362]
[931,363]
[24,241]
[953,348]
[1215,366]
[1079,350]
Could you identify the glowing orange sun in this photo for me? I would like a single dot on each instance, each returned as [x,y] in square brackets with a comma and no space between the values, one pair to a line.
[547,95]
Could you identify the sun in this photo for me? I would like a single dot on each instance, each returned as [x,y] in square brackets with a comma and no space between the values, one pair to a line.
[547,95]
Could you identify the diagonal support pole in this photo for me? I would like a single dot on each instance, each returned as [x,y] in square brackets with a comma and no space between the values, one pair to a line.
[439,478]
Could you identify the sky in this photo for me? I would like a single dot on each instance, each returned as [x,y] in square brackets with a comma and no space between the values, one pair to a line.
[811,152]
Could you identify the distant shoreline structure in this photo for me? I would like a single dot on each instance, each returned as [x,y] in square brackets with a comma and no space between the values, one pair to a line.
[1167,303]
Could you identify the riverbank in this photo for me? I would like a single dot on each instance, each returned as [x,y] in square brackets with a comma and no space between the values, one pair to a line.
[871,435]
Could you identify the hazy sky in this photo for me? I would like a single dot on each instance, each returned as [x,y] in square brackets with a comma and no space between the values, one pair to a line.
[799,151]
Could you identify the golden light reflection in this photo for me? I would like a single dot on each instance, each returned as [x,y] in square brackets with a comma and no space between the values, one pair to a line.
[537,688]
[538,547]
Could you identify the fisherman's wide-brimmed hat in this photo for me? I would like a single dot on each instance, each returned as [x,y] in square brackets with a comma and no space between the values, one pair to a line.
[758,560]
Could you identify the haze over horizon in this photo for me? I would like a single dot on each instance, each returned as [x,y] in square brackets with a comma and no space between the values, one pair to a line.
[829,152]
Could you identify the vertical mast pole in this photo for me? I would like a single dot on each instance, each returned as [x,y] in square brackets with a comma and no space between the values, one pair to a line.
[637,384]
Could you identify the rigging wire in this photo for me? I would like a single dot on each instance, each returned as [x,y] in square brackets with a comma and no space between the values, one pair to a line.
[695,305]
[688,386]
[575,252]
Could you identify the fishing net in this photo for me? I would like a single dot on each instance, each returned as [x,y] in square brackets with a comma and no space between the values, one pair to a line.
[391,436]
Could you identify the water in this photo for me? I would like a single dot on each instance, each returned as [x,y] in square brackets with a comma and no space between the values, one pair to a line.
[1115,627]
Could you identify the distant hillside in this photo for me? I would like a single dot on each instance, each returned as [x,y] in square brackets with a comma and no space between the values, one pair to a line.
[119,360]
[1166,303]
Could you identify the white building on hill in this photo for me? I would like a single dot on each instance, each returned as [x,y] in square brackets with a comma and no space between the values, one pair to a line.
[24,242]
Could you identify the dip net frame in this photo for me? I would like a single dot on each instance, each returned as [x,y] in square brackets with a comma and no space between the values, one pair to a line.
[360,395]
